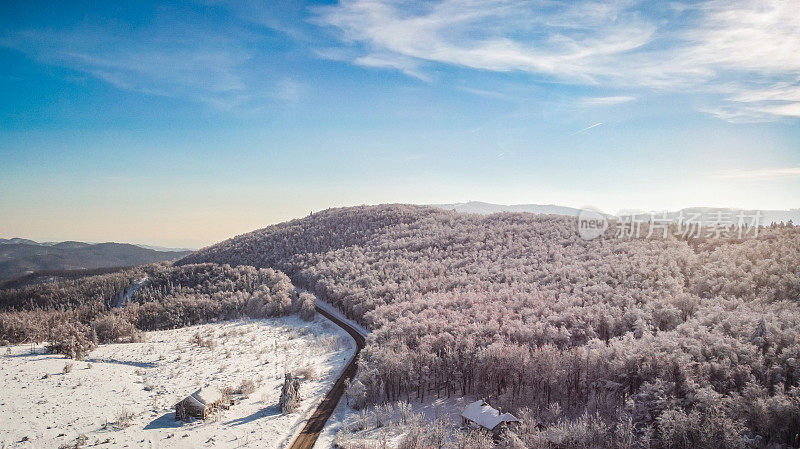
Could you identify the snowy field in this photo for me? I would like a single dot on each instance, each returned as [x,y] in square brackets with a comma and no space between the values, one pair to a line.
[353,427]
[122,395]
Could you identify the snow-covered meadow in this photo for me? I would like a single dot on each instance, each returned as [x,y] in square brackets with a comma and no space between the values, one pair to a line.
[123,394]
[386,425]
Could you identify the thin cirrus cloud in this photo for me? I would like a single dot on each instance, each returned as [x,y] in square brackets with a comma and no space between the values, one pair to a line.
[409,66]
[736,59]
[759,103]
[741,54]
[200,67]
[606,101]
[475,34]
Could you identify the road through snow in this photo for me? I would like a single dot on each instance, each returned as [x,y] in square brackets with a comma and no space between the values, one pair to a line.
[308,436]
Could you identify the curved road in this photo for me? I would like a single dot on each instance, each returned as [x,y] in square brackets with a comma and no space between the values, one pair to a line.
[308,436]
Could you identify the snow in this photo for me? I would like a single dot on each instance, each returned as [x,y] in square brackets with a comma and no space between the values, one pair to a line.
[485,415]
[333,310]
[207,395]
[46,407]
[429,410]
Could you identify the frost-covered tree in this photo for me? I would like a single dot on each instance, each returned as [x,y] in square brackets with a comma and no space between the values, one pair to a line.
[290,394]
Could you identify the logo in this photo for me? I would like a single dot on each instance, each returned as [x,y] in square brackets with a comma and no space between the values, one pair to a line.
[591,223]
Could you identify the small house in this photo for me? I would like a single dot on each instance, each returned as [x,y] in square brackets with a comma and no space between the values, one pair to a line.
[199,404]
[479,414]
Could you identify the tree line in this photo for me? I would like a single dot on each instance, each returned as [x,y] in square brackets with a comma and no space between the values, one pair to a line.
[75,315]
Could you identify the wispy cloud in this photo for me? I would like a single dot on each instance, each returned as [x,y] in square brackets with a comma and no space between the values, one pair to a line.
[193,64]
[208,72]
[759,173]
[408,66]
[487,93]
[738,57]
[606,101]
[475,34]
[695,47]
[759,103]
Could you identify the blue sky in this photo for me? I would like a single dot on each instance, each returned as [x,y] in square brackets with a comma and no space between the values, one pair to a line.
[185,123]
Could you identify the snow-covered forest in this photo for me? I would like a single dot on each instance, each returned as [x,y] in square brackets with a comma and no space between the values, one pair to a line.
[616,342]
[73,316]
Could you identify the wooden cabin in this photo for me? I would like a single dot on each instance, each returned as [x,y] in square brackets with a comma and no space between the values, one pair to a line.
[479,414]
[199,404]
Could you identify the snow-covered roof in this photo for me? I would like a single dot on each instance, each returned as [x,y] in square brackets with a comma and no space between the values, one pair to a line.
[207,395]
[484,415]
[191,401]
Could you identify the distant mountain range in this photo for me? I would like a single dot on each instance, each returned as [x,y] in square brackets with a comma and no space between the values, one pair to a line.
[477,207]
[19,257]
[17,240]
[67,243]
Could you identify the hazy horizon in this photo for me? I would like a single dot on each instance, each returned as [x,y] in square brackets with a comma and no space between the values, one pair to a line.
[200,243]
[184,124]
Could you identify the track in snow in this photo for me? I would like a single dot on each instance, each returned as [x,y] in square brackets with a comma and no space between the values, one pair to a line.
[308,436]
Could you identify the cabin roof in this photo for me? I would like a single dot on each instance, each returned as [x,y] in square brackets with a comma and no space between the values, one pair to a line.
[203,397]
[207,395]
[485,415]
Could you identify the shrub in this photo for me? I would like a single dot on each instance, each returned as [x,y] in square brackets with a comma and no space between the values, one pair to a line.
[307,372]
[246,388]
[330,342]
[67,368]
[124,419]
[204,341]
[72,339]
[113,328]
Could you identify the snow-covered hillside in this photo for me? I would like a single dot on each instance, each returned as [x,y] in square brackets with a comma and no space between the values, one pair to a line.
[389,423]
[123,394]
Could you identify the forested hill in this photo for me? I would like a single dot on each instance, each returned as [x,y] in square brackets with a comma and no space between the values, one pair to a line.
[684,338]
[416,243]
[19,257]
[321,232]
